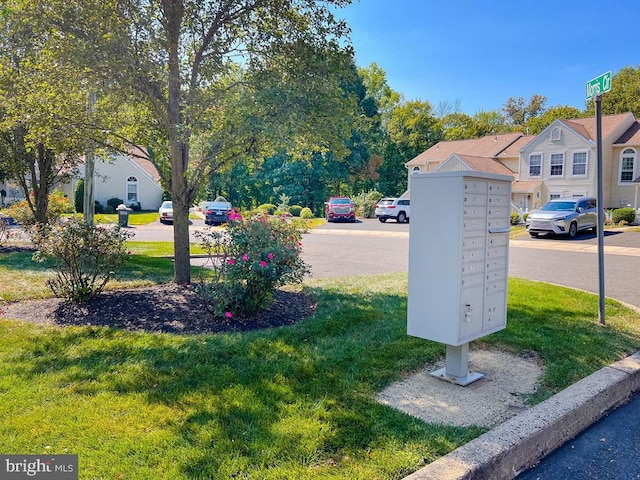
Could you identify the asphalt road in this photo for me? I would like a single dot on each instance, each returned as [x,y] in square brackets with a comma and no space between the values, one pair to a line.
[369,247]
[608,450]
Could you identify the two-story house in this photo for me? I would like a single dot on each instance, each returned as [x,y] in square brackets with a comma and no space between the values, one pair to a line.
[559,162]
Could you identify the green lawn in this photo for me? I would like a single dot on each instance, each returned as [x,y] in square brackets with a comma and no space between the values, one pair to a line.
[135,218]
[288,403]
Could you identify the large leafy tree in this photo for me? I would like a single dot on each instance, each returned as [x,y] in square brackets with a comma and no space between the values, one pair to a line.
[535,125]
[218,80]
[624,95]
[518,111]
[414,128]
[37,93]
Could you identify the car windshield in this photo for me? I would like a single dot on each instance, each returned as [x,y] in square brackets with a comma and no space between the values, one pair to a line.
[386,201]
[220,200]
[560,206]
[341,201]
[167,205]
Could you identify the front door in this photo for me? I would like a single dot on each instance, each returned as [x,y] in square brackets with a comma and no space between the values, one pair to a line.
[522,201]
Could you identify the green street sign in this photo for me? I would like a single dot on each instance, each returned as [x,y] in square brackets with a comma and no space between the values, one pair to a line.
[598,85]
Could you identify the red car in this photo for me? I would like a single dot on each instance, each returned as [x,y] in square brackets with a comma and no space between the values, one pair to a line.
[340,208]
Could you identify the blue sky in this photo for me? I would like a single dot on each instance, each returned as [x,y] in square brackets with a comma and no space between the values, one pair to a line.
[481,53]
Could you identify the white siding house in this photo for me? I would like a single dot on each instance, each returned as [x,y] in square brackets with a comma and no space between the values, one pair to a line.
[122,176]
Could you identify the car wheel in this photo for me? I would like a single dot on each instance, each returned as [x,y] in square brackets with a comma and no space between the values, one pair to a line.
[382,220]
[402,217]
[534,234]
[162,221]
[573,229]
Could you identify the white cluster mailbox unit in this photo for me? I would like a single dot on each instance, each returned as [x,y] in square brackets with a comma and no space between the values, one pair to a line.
[458,262]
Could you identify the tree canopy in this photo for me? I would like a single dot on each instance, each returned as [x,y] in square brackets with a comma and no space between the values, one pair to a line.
[213,81]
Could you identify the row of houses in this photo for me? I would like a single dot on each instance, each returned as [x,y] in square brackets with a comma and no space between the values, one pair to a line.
[559,162]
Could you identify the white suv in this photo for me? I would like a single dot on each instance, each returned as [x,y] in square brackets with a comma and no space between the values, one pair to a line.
[395,208]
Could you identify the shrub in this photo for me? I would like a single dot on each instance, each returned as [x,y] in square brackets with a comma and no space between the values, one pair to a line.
[306,213]
[525,216]
[135,206]
[112,204]
[515,218]
[97,207]
[626,214]
[58,204]
[366,203]
[295,210]
[79,196]
[268,208]
[251,258]
[86,257]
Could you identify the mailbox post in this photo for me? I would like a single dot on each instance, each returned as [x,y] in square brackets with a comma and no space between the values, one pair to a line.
[458,262]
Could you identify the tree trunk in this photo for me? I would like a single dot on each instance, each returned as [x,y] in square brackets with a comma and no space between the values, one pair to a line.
[179,146]
[40,185]
[180,199]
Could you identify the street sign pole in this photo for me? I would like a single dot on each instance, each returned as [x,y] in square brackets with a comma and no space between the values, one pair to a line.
[600,196]
[595,89]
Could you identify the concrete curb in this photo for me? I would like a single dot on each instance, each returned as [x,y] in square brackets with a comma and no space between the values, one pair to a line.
[520,442]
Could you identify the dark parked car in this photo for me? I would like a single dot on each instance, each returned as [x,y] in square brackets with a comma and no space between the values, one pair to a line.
[564,216]
[217,212]
[340,208]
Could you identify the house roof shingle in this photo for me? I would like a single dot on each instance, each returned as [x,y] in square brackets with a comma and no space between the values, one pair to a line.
[631,136]
[489,146]
[513,150]
[525,186]
[587,126]
[484,164]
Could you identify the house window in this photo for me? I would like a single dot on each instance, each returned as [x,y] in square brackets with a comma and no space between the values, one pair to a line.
[132,190]
[556,162]
[628,164]
[554,195]
[415,170]
[535,165]
[579,168]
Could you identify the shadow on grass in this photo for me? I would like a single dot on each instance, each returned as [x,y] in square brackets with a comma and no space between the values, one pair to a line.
[301,397]
[288,395]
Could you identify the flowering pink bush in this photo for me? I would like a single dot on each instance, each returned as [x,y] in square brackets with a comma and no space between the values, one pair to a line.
[251,257]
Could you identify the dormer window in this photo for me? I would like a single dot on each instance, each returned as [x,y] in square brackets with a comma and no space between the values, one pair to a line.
[556,134]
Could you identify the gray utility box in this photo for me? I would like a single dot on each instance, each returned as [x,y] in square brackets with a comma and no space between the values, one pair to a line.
[458,256]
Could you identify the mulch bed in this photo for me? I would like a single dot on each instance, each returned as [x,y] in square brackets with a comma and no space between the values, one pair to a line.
[166,308]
